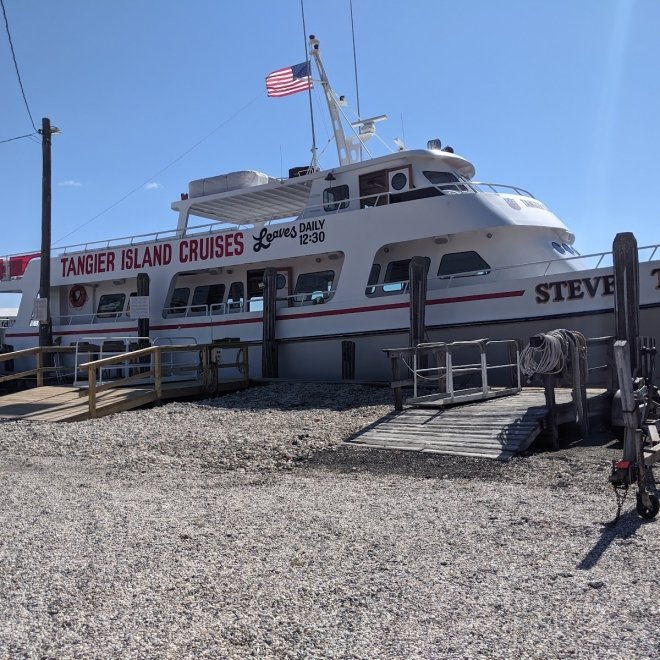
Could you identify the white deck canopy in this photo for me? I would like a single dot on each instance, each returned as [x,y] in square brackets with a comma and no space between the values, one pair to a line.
[273,201]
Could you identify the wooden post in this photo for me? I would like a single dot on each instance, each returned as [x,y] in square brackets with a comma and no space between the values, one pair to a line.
[626,293]
[40,367]
[579,388]
[417,278]
[440,355]
[246,363]
[158,372]
[348,360]
[91,391]
[396,377]
[549,390]
[269,358]
[551,404]
[143,324]
[610,375]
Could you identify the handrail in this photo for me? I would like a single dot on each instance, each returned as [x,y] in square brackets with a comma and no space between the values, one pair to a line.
[444,375]
[40,369]
[208,366]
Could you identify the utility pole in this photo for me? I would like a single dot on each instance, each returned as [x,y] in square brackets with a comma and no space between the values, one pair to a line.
[45,326]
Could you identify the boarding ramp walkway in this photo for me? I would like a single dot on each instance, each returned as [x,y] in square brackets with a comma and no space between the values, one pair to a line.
[115,374]
[499,418]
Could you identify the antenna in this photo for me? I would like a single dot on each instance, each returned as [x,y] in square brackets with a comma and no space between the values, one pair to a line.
[357,86]
[309,89]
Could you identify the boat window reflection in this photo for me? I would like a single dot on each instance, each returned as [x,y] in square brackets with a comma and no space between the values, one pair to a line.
[207,295]
[463,264]
[111,305]
[443,178]
[397,275]
[179,301]
[314,288]
[333,198]
[235,297]
[374,274]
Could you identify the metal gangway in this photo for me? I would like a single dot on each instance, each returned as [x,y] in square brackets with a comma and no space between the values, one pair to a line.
[458,372]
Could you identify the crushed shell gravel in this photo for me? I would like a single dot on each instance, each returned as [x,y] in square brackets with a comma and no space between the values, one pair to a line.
[238,527]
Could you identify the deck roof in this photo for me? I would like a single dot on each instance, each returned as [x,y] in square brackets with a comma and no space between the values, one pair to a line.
[282,199]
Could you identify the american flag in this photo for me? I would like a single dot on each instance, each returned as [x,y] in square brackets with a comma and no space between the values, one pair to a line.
[290,80]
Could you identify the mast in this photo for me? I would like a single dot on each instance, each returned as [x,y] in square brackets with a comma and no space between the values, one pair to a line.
[348,148]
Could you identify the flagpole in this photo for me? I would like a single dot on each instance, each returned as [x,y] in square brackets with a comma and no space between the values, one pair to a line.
[309,89]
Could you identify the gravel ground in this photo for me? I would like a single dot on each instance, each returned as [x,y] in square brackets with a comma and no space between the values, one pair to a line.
[237,527]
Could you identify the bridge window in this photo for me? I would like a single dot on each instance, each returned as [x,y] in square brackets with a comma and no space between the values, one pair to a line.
[373,189]
[110,305]
[333,198]
[443,178]
[465,263]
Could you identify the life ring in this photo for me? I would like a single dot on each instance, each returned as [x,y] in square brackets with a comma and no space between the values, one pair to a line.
[77,295]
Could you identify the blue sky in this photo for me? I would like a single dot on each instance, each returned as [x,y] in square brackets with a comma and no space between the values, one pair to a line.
[560,97]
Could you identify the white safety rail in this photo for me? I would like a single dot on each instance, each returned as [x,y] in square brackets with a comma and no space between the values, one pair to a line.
[450,368]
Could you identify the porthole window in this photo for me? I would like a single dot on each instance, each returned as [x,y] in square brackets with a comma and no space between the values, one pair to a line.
[558,248]
[399,181]
[568,248]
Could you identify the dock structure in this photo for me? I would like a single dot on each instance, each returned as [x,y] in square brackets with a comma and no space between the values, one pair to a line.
[496,428]
[122,381]
[468,400]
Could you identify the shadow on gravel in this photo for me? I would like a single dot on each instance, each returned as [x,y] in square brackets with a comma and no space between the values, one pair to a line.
[302,396]
[351,459]
[625,528]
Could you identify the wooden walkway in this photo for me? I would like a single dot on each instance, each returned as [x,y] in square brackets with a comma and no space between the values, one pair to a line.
[61,403]
[496,428]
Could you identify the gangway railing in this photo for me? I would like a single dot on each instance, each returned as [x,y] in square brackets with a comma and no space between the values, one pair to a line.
[447,371]
[41,369]
[209,364]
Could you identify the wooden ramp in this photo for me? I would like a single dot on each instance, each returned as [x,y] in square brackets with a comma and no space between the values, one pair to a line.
[496,428]
[61,403]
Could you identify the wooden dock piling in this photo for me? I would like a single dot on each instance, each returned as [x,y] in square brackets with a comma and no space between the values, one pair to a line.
[626,292]
[269,357]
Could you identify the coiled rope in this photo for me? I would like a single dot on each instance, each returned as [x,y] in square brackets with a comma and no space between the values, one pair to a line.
[551,355]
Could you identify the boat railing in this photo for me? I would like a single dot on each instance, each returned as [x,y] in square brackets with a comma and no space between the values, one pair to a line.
[499,188]
[462,187]
[12,267]
[90,318]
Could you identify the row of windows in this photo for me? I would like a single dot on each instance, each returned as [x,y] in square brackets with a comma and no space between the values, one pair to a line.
[450,264]
[310,287]
[374,189]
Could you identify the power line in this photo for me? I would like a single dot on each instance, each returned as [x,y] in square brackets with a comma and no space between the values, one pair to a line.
[13,54]
[20,137]
[153,176]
